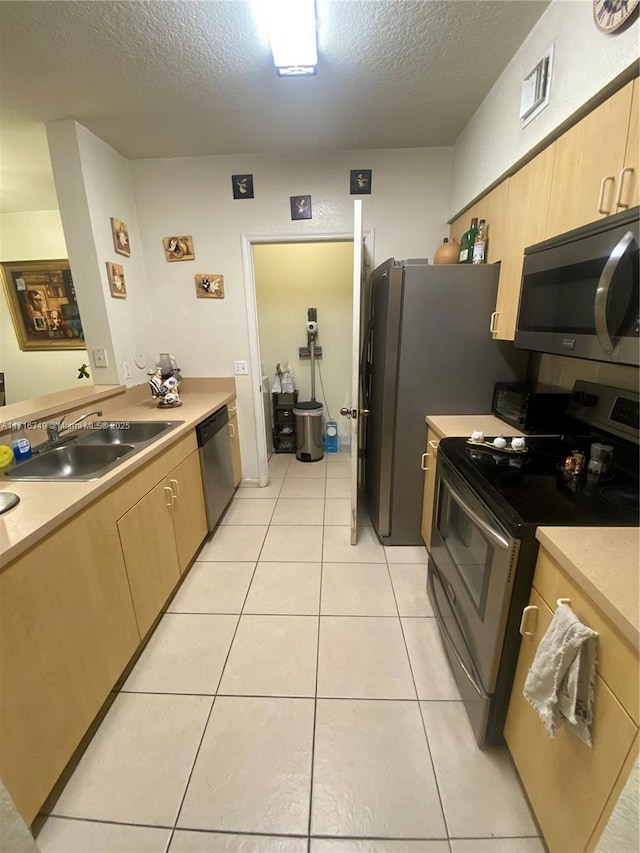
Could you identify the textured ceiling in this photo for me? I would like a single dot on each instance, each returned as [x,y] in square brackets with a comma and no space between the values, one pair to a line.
[173,78]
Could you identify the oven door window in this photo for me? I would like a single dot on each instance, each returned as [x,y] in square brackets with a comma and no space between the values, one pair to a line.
[471,551]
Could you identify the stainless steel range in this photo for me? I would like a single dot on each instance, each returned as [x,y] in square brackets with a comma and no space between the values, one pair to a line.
[489,502]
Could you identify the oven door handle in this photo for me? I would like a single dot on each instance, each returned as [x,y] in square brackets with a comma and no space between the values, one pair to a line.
[496,537]
[602,292]
[468,670]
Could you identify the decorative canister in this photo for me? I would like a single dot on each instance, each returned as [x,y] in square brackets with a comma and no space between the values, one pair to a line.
[448,253]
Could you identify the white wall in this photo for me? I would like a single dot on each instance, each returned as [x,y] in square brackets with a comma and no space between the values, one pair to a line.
[290,278]
[407,209]
[586,60]
[33,236]
[93,183]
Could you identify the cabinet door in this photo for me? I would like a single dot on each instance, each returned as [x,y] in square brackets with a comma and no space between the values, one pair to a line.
[567,782]
[492,208]
[149,548]
[189,514]
[524,225]
[590,153]
[235,450]
[428,497]
[67,631]
[628,194]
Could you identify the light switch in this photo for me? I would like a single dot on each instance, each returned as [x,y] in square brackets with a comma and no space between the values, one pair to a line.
[100,358]
[242,368]
[126,370]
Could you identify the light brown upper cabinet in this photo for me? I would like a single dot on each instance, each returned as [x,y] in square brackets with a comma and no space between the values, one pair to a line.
[589,174]
[524,224]
[492,208]
[628,194]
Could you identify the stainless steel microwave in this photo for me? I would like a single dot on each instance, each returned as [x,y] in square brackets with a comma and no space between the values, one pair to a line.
[579,295]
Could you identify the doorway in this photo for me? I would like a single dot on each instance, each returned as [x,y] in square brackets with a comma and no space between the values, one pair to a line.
[297,319]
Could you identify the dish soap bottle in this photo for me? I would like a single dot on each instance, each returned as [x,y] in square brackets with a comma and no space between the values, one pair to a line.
[20,444]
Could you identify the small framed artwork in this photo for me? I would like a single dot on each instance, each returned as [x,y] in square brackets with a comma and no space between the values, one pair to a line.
[42,304]
[117,286]
[120,233]
[242,186]
[210,286]
[179,248]
[360,182]
[300,206]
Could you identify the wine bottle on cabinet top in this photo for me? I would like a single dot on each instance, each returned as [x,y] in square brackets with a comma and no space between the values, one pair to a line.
[467,242]
[480,245]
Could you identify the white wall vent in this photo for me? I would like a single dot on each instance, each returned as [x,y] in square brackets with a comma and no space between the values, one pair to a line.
[536,87]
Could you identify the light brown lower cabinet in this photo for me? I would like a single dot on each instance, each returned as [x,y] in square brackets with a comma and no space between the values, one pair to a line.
[234,436]
[74,608]
[429,460]
[572,787]
[160,535]
[67,631]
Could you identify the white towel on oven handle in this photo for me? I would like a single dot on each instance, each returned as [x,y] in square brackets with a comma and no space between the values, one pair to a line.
[559,684]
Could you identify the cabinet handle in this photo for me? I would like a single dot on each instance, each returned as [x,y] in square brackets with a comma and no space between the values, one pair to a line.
[175,494]
[494,322]
[171,496]
[433,444]
[232,410]
[232,431]
[623,172]
[423,461]
[525,613]
[601,198]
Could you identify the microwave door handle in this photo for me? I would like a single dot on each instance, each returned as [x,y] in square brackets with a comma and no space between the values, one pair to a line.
[496,537]
[603,289]
[442,625]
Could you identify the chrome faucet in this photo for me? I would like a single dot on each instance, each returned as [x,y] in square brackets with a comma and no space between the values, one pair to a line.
[55,429]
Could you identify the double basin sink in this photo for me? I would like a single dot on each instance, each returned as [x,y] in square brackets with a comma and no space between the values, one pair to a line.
[91,454]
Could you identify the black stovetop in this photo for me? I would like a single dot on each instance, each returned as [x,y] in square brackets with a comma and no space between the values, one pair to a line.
[531,489]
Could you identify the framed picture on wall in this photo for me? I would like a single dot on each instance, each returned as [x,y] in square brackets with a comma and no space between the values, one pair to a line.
[120,232]
[179,248]
[360,181]
[300,206]
[242,186]
[210,286]
[117,285]
[42,303]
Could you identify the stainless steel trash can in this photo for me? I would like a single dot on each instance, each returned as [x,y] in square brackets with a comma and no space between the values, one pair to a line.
[309,417]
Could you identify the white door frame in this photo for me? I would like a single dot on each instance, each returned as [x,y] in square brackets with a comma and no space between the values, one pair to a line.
[255,370]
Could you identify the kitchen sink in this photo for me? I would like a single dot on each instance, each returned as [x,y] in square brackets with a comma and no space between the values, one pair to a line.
[127,432]
[73,461]
[90,454]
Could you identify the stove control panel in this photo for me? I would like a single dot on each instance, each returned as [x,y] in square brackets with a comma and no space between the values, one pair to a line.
[612,409]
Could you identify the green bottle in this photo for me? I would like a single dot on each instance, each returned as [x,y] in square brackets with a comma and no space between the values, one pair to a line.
[466,244]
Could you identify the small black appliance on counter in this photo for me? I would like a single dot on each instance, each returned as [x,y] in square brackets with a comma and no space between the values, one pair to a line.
[530,407]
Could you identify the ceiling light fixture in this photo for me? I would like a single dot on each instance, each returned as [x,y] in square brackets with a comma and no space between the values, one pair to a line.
[291,25]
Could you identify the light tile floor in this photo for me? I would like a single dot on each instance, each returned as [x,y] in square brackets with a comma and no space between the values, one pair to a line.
[294,698]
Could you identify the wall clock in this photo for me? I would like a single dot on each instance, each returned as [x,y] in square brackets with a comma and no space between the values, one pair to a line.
[609,15]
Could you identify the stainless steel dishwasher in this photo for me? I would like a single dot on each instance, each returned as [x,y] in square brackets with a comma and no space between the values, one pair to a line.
[214,446]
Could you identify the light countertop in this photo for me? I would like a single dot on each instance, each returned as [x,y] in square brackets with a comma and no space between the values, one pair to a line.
[45,505]
[605,562]
[464,425]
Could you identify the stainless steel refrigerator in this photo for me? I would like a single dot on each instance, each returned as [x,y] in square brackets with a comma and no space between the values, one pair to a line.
[427,350]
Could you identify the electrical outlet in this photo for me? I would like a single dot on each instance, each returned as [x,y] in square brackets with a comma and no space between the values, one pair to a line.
[100,358]
[126,370]
[241,368]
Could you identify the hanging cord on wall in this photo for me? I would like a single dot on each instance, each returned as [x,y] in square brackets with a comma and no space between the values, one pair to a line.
[324,393]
